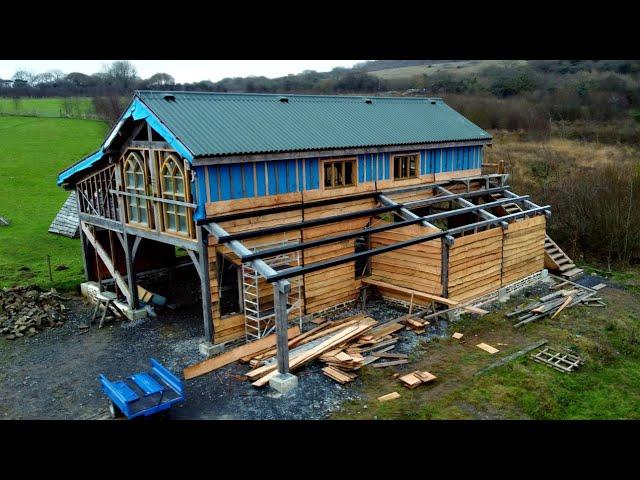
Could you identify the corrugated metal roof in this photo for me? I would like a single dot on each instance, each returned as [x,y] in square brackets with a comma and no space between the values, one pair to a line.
[211,124]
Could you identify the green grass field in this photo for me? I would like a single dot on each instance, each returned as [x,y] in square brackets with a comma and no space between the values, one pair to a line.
[32,153]
[464,67]
[76,107]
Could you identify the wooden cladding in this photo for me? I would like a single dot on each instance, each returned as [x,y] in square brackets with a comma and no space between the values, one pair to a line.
[523,249]
[417,267]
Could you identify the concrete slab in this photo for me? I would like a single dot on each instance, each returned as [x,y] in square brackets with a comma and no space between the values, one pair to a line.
[283,383]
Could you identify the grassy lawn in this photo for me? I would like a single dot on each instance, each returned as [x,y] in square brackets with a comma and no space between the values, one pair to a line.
[33,151]
[47,107]
[606,387]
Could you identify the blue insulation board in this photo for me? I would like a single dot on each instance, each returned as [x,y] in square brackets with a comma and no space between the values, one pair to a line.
[275,177]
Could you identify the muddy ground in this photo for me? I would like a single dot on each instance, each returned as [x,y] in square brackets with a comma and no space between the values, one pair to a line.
[54,375]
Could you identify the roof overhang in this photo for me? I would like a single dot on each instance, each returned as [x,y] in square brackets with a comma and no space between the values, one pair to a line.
[137,110]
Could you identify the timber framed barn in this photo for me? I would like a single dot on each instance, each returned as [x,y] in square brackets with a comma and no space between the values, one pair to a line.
[305,199]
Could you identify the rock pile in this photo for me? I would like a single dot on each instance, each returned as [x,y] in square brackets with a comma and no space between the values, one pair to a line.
[27,310]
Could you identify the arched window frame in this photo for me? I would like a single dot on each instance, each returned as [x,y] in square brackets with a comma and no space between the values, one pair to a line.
[172,214]
[136,206]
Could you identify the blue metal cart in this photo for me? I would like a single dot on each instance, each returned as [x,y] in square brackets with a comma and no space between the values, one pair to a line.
[144,393]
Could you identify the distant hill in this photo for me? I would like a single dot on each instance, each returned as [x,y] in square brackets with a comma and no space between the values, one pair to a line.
[405,69]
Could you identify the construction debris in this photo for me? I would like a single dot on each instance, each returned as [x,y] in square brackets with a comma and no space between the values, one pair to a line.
[28,310]
[417,378]
[4,222]
[561,361]
[389,396]
[487,348]
[457,335]
[552,304]
[511,357]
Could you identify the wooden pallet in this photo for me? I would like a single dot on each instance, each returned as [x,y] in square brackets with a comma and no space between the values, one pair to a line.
[561,361]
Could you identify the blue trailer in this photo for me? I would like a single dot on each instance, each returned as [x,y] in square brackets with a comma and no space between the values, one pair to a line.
[144,393]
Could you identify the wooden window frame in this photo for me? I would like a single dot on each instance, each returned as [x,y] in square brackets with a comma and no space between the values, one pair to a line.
[393,166]
[354,172]
[140,159]
[162,159]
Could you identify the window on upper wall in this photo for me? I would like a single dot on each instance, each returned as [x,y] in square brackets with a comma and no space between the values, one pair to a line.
[173,186]
[134,184]
[405,166]
[339,173]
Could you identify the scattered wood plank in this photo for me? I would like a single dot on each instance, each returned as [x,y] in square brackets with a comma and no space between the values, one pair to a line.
[476,310]
[566,302]
[389,286]
[487,348]
[457,335]
[338,375]
[390,363]
[234,355]
[600,286]
[417,378]
[389,396]
[511,357]
[389,355]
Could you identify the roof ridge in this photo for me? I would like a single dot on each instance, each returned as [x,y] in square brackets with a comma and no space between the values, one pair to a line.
[302,95]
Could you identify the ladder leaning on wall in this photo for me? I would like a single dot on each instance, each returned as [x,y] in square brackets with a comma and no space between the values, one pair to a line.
[258,294]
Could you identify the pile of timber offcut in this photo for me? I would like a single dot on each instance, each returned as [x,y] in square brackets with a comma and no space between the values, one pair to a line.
[552,304]
[27,310]
[344,346]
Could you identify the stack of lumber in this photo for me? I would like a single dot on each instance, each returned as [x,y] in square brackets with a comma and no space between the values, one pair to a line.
[307,350]
[552,304]
[415,324]
[417,378]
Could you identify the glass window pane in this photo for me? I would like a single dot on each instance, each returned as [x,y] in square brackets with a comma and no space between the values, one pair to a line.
[328,174]
[348,173]
[143,215]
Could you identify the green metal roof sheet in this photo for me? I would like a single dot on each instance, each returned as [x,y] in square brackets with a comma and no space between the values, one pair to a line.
[211,124]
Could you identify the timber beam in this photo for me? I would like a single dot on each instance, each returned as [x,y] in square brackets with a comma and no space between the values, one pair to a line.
[295,271]
[367,231]
[306,224]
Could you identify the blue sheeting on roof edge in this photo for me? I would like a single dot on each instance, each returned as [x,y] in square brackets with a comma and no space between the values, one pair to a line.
[138,111]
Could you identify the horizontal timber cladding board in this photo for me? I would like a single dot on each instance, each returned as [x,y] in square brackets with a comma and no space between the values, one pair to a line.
[417,266]
[228,328]
[476,289]
[333,229]
[250,204]
[475,264]
[262,221]
[312,195]
[523,249]
[330,302]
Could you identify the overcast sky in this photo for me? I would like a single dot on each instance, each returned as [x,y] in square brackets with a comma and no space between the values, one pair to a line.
[184,71]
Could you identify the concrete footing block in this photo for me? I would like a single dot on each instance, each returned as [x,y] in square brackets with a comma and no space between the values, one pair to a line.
[209,349]
[130,313]
[283,383]
[544,277]
[503,295]
[453,315]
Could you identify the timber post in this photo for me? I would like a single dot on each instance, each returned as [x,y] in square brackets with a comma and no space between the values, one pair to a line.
[131,274]
[282,342]
[205,286]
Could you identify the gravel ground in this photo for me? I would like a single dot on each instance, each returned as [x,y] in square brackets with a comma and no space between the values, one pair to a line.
[54,375]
